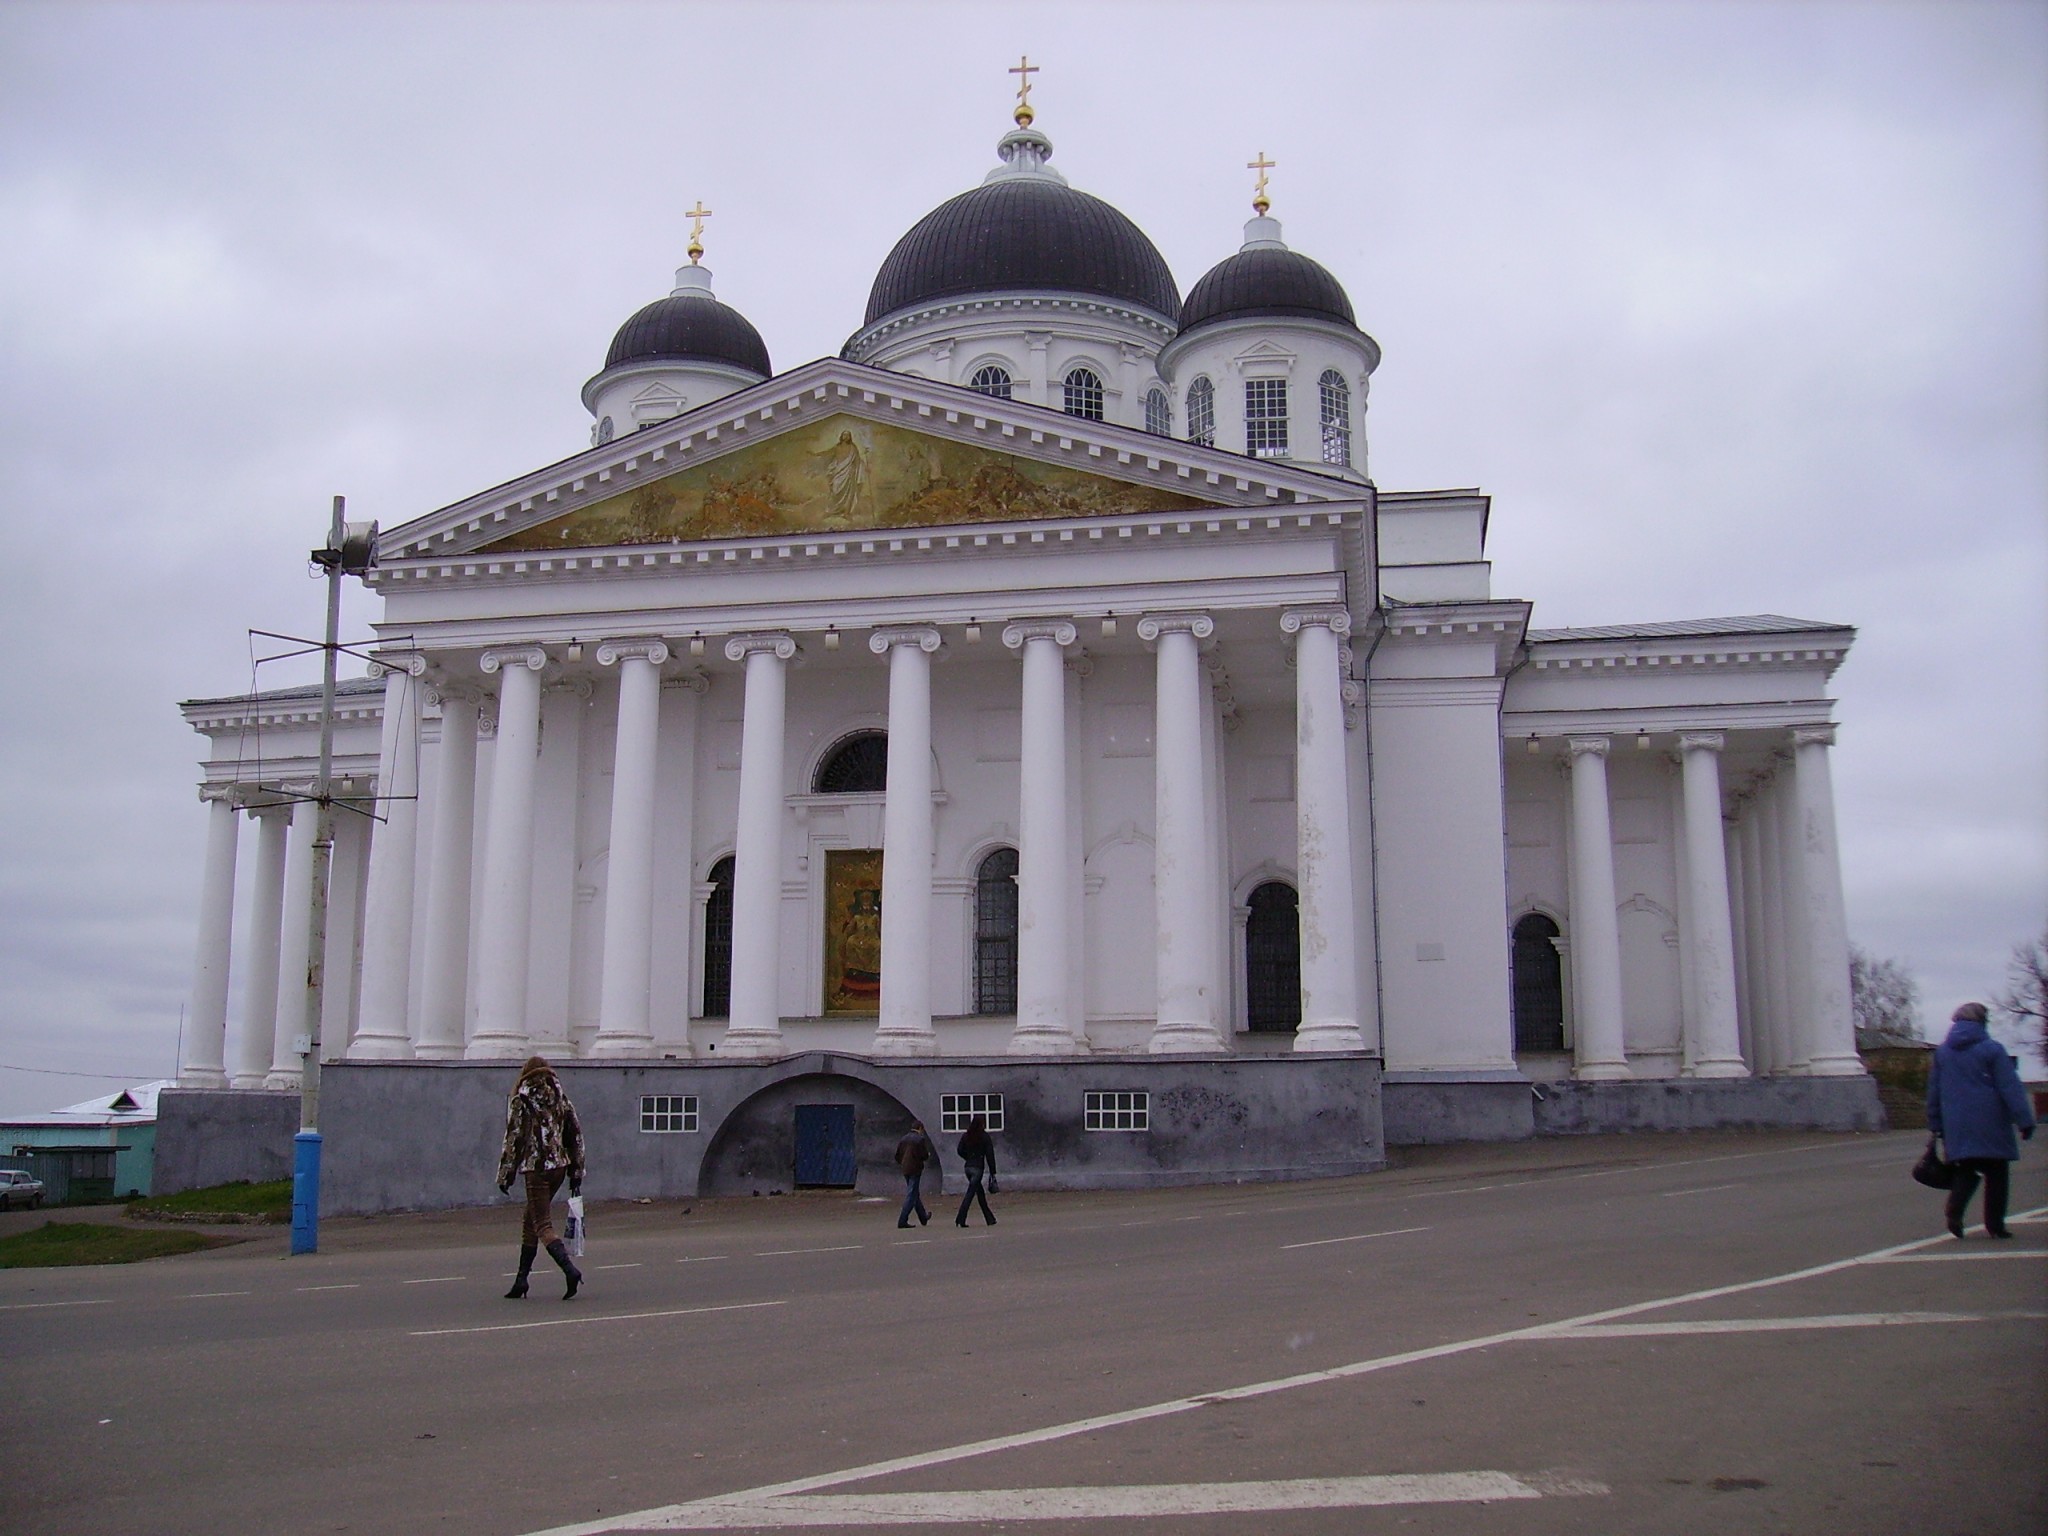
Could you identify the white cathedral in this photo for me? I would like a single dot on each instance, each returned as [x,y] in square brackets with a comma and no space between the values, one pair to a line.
[1035,709]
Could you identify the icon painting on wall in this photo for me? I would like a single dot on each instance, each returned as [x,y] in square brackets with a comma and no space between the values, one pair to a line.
[853,930]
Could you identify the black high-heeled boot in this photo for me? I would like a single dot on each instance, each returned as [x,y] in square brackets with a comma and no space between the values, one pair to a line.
[560,1255]
[526,1253]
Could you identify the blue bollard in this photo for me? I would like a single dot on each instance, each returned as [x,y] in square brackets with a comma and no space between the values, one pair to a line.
[306,1192]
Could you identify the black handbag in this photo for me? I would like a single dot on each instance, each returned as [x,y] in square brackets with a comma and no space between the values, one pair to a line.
[1934,1170]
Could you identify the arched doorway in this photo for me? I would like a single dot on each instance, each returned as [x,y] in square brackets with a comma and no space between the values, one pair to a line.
[1539,985]
[995,933]
[718,942]
[1272,959]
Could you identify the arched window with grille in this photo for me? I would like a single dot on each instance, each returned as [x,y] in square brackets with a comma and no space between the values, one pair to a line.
[718,942]
[1202,413]
[859,765]
[991,379]
[1538,972]
[1084,394]
[1265,418]
[1336,418]
[1158,414]
[1272,958]
[995,933]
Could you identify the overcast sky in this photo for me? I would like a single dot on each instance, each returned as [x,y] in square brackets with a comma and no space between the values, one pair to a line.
[1732,308]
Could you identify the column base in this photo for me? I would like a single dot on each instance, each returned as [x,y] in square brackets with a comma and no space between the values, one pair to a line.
[1045,1040]
[1185,1038]
[752,1044]
[1344,1036]
[439,1050]
[906,1042]
[1833,1066]
[202,1077]
[279,1082]
[618,1047]
[1603,1072]
[379,1048]
[246,1082]
[1721,1069]
[496,1048]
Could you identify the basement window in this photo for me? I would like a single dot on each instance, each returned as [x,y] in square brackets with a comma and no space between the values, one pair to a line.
[956,1109]
[668,1113]
[1118,1110]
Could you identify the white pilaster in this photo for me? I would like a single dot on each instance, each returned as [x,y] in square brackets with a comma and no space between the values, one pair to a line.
[1830,1024]
[294,948]
[266,928]
[1717,1044]
[1045,1026]
[206,1030]
[905,1025]
[506,904]
[755,1025]
[1181,871]
[623,1027]
[1596,932]
[381,1033]
[1322,800]
[444,1000]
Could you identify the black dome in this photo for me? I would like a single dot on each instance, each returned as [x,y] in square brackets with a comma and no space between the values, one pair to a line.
[1266,281]
[1023,232]
[695,327]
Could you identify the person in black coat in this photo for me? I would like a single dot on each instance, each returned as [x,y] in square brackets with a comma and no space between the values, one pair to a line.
[1974,1104]
[977,1151]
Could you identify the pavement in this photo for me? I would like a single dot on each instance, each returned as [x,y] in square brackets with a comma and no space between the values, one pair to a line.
[1732,1333]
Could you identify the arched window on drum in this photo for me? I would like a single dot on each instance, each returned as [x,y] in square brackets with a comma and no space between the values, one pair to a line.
[991,379]
[1084,394]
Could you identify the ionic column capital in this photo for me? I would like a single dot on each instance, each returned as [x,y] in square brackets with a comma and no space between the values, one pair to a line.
[924,636]
[531,657]
[1153,625]
[412,663]
[1587,746]
[219,794]
[1702,741]
[782,647]
[1331,617]
[1061,632]
[442,690]
[1813,735]
[643,648]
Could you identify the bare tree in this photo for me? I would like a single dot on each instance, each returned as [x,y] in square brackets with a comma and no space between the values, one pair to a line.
[2025,998]
[1885,1000]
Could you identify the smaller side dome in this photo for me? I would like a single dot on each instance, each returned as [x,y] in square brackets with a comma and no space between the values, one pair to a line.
[1266,279]
[690,325]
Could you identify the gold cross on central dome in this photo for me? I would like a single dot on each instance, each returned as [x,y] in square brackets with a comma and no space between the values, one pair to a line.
[1261,202]
[1024,69]
[700,213]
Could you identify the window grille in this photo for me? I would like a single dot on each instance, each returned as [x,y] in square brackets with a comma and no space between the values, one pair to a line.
[1084,394]
[668,1113]
[1336,418]
[859,765]
[956,1109]
[990,379]
[1118,1110]
[1158,414]
[1265,418]
[1202,413]
[718,942]
[995,933]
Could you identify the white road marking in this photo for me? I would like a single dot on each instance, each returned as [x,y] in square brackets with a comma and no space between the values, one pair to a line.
[704,1258]
[777,1253]
[206,1295]
[1356,1237]
[37,1306]
[648,1519]
[351,1286]
[634,1265]
[435,1280]
[1784,1324]
[1153,1501]
[600,1317]
[1950,1258]
[1705,1189]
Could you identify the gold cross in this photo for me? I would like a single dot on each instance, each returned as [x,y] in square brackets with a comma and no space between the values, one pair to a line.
[1024,70]
[1260,201]
[700,213]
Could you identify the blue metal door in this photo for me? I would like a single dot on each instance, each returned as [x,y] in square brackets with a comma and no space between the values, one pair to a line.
[824,1145]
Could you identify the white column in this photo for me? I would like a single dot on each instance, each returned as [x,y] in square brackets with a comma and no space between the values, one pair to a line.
[381,1033]
[1074,672]
[344,932]
[1781,939]
[1755,968]
[1830,1025]
[1045,1024]
[444,998]
[506,902]
[1596,932]
[905,1025]
[266,927]
[755,1025]
[1717,1043]
[206,1028]
[623,1028]
[294,948]
[1322,809]
[1181,872]
[1738,919]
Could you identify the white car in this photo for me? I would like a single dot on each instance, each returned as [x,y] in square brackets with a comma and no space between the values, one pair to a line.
[18,1188]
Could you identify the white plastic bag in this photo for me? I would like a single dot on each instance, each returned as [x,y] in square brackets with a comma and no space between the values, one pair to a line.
[572,1234]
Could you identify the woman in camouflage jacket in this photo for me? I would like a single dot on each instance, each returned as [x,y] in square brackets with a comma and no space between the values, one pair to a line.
[543,1141]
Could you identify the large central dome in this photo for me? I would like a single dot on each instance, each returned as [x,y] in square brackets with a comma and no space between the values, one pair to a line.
[1024,229]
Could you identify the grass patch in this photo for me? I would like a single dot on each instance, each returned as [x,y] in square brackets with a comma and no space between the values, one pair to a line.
[270,1201]
[57,1243]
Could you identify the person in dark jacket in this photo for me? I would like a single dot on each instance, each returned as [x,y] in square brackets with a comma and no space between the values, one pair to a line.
[977,1151]
[544,1141]
[912,1153]
[1974,1104]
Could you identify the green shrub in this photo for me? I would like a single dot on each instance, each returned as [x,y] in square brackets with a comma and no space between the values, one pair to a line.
[58,1243]
[271,1201]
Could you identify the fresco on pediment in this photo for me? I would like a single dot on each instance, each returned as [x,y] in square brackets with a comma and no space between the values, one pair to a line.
[842,475]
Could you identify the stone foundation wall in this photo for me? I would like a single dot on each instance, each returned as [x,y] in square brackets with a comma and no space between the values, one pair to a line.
[209,1136]
[1686,1104]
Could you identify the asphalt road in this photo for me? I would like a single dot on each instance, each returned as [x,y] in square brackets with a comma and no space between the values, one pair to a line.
[1640,1334]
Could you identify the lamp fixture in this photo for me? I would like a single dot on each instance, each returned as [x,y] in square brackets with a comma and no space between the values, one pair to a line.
[1109,626]
[831,638]
[1533,746]
[575,650]
[1642,741]
[696,645]
[973,633]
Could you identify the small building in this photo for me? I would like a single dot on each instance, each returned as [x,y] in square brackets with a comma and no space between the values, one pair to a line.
[102,1149]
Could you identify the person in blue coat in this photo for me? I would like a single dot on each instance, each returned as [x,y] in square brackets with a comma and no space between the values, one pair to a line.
[1975,1104]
